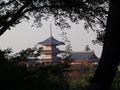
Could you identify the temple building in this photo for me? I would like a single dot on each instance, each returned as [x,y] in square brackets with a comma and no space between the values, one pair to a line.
[84,57]
[50,51]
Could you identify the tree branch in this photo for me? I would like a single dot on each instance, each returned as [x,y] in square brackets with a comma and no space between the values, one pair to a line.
[4,4]
[15,17]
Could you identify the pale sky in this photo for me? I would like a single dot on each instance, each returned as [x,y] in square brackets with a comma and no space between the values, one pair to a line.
[24,36]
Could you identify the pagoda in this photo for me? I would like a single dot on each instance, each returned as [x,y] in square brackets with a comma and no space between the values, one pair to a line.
[50,51]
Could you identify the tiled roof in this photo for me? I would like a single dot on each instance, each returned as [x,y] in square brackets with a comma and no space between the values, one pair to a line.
[87,55]
[51,41]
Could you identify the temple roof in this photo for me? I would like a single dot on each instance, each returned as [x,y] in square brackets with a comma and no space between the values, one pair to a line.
[51,41]
[87,55]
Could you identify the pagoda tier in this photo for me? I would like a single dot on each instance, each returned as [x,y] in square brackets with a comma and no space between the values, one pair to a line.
[51,41]
[55,51]
[49,56]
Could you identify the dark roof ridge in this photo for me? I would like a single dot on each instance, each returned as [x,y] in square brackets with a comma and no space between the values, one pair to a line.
[51,41]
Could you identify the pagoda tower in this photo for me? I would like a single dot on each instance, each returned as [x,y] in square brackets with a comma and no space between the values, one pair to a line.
[50,51]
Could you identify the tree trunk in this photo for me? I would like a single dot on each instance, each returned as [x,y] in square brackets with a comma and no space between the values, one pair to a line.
[110,58]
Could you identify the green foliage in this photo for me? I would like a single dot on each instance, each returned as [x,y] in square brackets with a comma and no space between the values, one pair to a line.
[46,77]
[93,12]
[50,77]
[25,54]
[87,48]
[4,55]
[21,77]
[116,82]
[82,82]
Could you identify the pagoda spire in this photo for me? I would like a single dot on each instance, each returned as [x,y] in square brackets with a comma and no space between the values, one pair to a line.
[50,29]
[50,51]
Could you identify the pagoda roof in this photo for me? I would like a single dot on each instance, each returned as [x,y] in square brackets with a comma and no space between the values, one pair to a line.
[51,41]
[87,55]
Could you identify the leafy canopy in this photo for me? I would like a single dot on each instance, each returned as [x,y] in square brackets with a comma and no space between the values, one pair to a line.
[94,12]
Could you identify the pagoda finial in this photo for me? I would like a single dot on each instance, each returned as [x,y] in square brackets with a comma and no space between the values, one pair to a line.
[50,29]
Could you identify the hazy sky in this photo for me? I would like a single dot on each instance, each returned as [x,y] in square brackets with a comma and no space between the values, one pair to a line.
[23,36]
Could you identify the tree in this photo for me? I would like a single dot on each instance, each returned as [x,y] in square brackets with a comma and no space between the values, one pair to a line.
[12,12]
[87,48]
[91,11]
[25,54]
[109,61]
[4,56]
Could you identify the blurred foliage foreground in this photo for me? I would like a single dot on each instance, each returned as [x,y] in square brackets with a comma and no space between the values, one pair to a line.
[50,77]
[47,77]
